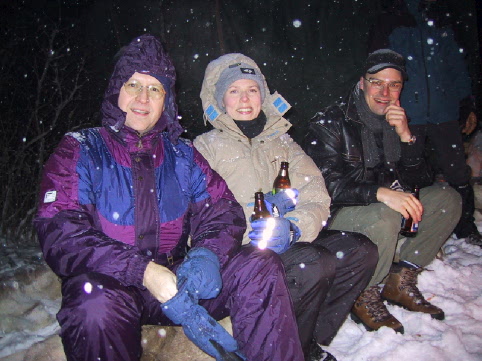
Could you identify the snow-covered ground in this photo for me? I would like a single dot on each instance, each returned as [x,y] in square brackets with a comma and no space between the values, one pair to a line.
[453,283]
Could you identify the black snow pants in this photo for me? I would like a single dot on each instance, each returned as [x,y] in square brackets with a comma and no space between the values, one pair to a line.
[325,278]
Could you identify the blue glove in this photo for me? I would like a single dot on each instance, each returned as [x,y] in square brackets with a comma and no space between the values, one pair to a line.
[199,274]
[200,327]
[284,201]
[277,234]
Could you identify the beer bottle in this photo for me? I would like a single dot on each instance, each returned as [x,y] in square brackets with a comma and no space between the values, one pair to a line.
[260,210]
[409,227]
[282,181]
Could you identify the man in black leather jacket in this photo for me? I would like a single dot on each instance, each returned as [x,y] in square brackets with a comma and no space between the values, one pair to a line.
[364,149]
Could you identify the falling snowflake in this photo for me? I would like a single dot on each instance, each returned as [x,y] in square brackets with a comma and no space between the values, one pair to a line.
[296,23]
[88,287]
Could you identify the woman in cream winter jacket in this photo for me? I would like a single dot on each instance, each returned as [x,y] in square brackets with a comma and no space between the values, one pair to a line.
[325,271]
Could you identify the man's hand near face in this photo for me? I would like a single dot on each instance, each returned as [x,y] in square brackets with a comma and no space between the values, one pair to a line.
[396,117]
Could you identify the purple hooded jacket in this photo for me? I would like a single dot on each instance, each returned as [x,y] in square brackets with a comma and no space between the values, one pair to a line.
[111,200]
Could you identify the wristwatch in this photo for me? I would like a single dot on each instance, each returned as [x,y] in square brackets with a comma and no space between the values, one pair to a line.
[412,140]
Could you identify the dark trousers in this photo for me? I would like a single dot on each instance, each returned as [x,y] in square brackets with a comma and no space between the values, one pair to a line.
[101,319]
[446,153]
[325,278]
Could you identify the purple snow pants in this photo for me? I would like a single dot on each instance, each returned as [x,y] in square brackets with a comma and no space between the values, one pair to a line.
[102,321]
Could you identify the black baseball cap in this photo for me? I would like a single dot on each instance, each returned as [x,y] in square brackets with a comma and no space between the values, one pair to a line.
[385,58]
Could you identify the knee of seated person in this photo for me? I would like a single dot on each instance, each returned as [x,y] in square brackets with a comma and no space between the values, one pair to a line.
[314,259]
[450,200]
[307,252]
[388,223]
[91,299]
[255,256]
[453,202]
[452,196]
[365,247]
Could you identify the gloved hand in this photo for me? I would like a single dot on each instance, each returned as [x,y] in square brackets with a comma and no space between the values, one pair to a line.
[227,355]
[199,326]
[277,234]
[199,272]
[284,201]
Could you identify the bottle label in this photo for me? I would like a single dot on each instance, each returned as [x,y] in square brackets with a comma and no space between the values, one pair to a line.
[413,228]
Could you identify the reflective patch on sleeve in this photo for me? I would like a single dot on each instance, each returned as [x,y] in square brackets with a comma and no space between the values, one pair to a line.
[50,196]
[212,113]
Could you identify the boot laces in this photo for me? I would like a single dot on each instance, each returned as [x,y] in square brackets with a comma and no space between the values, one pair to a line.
[373,302]
[409,282]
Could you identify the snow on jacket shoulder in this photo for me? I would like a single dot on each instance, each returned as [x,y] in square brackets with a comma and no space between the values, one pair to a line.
[251,165]
[111,207]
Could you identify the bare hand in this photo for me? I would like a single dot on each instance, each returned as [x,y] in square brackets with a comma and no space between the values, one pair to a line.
[402,202]
[470,123]
[160,281]
[396,117]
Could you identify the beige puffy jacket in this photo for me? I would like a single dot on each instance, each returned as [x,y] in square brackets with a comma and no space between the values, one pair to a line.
[249,166]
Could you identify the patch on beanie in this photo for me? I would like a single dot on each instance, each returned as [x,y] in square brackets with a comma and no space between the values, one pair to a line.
[248,71]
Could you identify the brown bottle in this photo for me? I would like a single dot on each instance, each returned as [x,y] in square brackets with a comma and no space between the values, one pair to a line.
[260,210]
[409,227]
[282,181]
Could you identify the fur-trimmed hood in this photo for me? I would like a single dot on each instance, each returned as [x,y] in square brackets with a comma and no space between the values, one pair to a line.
[274,105]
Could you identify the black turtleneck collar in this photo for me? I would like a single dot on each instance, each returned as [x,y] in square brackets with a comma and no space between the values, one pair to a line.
[252,128]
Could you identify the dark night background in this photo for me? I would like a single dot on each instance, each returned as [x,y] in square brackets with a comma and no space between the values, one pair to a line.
[56,57]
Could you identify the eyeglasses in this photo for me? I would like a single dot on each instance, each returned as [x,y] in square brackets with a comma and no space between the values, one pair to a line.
[394,86]
[134,88]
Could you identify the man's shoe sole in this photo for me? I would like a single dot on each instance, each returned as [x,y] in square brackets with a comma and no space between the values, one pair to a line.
[358,321]
[437,316]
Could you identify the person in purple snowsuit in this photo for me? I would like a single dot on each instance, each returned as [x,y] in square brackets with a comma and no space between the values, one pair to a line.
[117,207]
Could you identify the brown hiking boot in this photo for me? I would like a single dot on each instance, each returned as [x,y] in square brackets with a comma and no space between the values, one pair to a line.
[401,289]
[370,310]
